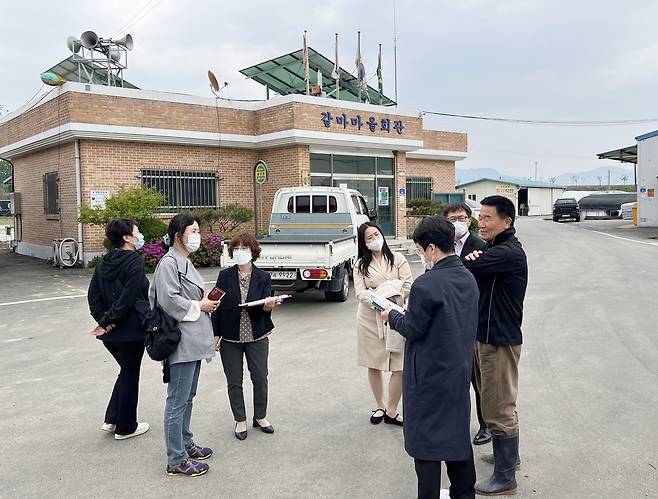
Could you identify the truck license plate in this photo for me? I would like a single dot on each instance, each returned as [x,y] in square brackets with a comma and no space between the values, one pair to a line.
[284,275]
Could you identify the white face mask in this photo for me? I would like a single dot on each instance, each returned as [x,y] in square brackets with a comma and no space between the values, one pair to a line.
[375,244]
[461,228]
[242,257]
[193,242]
[428,264]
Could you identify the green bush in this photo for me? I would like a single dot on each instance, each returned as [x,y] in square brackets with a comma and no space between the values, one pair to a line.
[226,219]
[152,228]
[94,262]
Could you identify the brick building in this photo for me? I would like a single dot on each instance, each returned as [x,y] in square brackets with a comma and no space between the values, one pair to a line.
[83,142]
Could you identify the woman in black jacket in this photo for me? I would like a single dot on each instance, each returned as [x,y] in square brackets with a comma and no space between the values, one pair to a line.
[243,331]
[118,301]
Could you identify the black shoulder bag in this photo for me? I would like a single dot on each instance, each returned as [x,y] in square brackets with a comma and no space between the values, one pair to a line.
[162,335]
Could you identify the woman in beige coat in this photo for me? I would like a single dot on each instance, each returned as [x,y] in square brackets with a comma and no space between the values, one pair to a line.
[379,348]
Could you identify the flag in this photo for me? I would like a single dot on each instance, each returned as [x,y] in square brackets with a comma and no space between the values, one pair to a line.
[360,68]
[380,79]
[320,80]
[335,74]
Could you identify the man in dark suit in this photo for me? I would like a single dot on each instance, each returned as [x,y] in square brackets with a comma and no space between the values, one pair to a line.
[440,326]
[465,243]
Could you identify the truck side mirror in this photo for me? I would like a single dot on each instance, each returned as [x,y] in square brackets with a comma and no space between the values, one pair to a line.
[372,215]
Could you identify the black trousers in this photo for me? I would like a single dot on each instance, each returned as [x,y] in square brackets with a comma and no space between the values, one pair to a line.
[478,403]
[460,473]
[122,408]
[256,353]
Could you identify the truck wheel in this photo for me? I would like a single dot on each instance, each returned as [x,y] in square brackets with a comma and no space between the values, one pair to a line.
[344,292]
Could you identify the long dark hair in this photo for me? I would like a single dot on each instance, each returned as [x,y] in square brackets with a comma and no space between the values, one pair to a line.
[365,255]
[177,225]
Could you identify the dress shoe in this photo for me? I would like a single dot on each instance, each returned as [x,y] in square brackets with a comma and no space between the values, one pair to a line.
[393,420]
[482,437]
[240,435]
[375,419]
[264,429]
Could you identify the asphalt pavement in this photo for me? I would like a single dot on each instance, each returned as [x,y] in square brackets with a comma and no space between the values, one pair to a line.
[588,394]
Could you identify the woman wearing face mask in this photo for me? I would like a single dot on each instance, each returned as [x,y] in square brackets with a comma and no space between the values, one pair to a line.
[378,347]
[243,331]
[118,301]
[179,290]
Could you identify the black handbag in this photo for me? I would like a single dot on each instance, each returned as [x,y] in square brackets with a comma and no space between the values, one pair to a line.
[162,333]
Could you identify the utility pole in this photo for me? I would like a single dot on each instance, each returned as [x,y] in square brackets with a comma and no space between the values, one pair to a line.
[608,179]
[395,52]
[535,170]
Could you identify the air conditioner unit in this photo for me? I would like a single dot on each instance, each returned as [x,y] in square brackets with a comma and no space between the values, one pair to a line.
[66,252]
[15,203]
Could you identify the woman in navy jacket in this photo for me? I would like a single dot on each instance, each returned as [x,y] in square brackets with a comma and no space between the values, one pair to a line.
[118,301]
[243,331]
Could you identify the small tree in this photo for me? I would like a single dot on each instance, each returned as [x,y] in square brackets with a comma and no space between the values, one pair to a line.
[137,203]
[226,219]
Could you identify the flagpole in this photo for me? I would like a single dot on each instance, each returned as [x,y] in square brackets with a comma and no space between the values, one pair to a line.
[380,80]
[395,53]
[337,71]
[306,74]
[358,60]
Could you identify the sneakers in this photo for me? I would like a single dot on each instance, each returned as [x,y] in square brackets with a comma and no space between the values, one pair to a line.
[141,428]
[199,453]
[189,467]
[109,428]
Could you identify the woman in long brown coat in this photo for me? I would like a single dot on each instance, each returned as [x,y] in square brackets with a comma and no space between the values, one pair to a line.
[379,348]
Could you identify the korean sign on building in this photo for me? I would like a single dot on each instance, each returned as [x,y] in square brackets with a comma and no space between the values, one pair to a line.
[358,122]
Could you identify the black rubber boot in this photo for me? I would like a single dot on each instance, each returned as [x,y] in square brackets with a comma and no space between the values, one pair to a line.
[503,480]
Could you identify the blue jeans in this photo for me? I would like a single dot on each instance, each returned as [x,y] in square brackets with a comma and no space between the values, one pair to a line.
[178,410]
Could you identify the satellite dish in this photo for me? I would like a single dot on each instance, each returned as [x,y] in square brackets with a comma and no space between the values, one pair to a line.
[73,44]
[126,41]
[213,82]
[89,39]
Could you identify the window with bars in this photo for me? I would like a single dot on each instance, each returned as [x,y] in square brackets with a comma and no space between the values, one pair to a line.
[419,187]
[51,193]
[183,190]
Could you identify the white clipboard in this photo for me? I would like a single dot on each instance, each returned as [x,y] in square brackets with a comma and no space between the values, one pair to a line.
[381,303]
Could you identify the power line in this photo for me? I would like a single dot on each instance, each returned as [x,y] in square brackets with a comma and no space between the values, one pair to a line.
[139,15]
[545,122]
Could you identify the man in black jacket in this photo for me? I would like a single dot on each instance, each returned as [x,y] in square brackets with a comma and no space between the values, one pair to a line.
[440,326]
[465,243]
[501,271]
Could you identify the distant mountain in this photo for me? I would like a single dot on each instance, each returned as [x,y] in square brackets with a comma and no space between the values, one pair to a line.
[590,177]
[466,175]
[598,176]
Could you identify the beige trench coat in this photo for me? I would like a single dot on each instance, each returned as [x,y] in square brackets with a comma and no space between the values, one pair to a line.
[371,349]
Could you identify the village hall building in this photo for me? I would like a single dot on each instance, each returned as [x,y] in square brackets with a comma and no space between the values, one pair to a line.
[82,142]
[530,197]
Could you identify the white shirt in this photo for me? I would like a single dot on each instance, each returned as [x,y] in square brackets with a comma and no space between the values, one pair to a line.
[459,244]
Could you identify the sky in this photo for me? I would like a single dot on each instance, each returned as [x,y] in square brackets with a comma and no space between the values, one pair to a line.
[528,59]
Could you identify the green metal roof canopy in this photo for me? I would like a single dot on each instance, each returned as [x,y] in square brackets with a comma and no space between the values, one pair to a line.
[285,75]
[68,69]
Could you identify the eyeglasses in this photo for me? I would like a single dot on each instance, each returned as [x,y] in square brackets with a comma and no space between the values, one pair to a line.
[459,219]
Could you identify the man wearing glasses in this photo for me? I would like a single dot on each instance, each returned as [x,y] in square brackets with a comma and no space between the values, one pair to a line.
[459,214]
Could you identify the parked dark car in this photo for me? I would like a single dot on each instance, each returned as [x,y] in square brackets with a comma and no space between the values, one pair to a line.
[566,208]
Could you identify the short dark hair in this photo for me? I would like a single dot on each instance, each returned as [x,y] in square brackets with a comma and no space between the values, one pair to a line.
[117,228]
[178,224]
[437,231]
[504,207]
[455,207]
[248,241]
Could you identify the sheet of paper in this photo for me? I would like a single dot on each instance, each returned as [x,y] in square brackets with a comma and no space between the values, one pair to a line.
[262,302]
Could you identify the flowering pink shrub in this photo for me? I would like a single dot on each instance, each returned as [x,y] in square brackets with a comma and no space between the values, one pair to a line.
[207,255]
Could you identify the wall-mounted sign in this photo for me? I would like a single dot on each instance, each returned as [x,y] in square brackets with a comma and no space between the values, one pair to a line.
[382,196]
[98,198]
[343,120]
[506,190]
[260,172]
